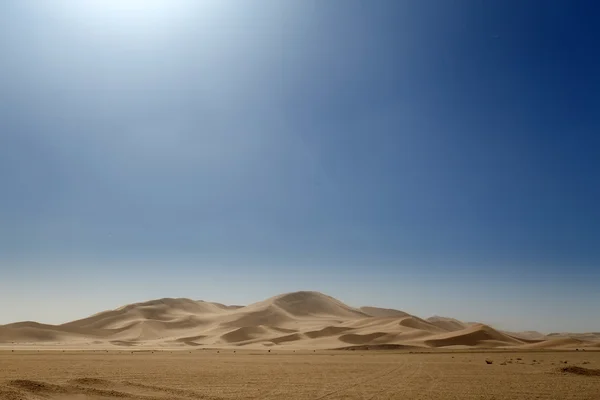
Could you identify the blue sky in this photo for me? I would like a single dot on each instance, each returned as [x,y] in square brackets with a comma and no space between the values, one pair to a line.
[432,156]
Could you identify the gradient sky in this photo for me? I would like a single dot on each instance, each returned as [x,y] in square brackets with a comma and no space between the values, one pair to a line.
[439,157]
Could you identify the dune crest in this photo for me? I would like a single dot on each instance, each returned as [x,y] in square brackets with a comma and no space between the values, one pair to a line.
[383,312]
[449,324]
[298,320]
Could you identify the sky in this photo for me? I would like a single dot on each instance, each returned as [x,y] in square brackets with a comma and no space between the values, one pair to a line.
[439,157]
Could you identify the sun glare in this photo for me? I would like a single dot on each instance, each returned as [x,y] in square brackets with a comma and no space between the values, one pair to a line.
[141,16]
[140,8]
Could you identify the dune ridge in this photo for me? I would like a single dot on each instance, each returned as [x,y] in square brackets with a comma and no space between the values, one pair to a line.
[298,320]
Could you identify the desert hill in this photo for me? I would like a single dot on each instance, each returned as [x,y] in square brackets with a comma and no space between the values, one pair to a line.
[383,312]
[528,335]
[299,320]
[478,335]
[449,324]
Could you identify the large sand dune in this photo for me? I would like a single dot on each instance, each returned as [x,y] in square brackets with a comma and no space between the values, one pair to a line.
[300,320]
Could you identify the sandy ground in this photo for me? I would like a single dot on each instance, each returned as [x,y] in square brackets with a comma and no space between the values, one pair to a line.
[250,374]
[282,348]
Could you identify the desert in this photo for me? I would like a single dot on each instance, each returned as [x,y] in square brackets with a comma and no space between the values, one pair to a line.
[292,199]
[303,345]
[290,321]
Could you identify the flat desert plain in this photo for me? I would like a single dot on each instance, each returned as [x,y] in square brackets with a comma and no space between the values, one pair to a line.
[300,374]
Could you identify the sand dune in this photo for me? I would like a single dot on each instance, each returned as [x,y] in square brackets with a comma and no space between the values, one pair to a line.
[29,334]
[477,335]
[527,336]
[587,336]
[560,343]
[247,333]
[420,324]
[223,306]
[383,312]
[327,331]
[269,315]
[448,324]
[299,320]
[354,338]
[303,304]
[156,310]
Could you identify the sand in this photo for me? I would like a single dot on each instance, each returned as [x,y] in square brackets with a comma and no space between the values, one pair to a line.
[291,321]
[302,345]
[300,374]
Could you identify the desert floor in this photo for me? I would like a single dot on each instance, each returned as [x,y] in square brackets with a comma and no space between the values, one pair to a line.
[208,374]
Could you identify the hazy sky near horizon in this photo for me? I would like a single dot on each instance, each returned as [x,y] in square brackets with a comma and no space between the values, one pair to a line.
[432,156]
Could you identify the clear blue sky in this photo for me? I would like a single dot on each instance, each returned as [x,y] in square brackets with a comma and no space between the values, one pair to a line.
[440,157]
